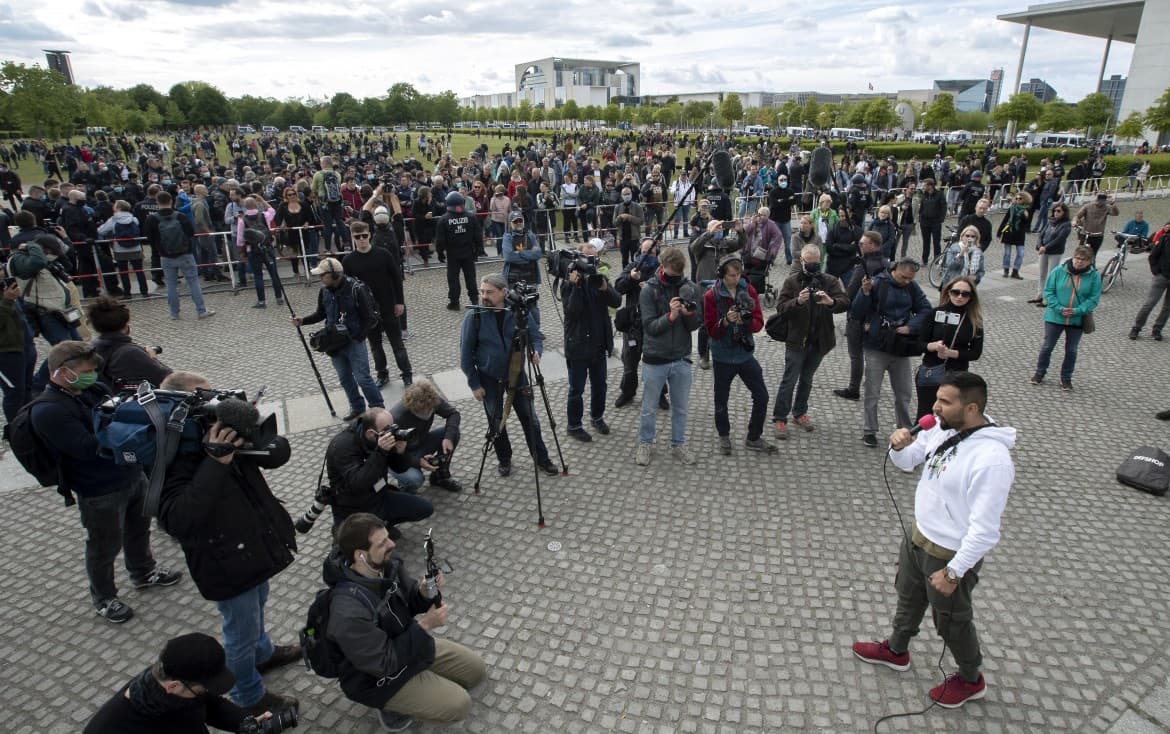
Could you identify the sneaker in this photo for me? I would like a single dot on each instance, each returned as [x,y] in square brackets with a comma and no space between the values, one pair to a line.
[447,483]
[879,653]
[804,422]
[759,444]
[206,314]
[1157,336]
[548,467]
[353,414]
[601,426]
[1066,384]
[1037,379]
[623,400]
[281,655]
[725,445]
[394,722]
[704,362]
[954,692]
[504,470]
[580,434]
[174,317]
[452,306]
[382,381]
[1163,415]
[114,611]
[407,379]
[279,301]
[642,458]
[683,454]
[848,393]
[260,304]
[160,576]
[406,334]
[1133,333]
[869,440]
[273,702]
[781,430]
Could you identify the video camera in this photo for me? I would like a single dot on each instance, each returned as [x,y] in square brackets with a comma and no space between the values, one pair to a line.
[521,296]
[278,722]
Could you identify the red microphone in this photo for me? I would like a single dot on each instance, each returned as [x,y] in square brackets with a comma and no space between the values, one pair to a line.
[925,423]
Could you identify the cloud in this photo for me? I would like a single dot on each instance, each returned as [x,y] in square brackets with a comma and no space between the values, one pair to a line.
[26,28]
[114,11]
[622,40]
[444,18]
[692,77]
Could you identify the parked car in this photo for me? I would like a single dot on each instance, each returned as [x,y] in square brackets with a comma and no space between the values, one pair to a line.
[296,129]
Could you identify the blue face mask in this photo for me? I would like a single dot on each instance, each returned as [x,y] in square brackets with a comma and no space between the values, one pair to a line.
[718,235]
[783,184]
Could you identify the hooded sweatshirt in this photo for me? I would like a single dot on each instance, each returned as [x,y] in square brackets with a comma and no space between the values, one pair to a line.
[962,491]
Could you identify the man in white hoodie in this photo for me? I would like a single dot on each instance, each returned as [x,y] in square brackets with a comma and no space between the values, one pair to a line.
[961,494]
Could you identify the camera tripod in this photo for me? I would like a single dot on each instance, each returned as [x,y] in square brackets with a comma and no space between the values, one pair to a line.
[520,365]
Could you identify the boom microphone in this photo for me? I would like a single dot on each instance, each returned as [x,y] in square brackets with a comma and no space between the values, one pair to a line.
[724,173]
[243,418]
[820,169]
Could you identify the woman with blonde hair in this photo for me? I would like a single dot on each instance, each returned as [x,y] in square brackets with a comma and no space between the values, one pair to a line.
[952,337]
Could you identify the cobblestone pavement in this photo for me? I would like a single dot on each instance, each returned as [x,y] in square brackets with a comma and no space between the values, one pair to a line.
[719,599]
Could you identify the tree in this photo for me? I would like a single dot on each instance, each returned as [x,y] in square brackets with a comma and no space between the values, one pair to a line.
[811,112]
[645,115]
[879,114]
[854,115]
[145,95]
[445,107]
[1131,128]
[731,109]
[400,103]
[1020,109]
[789,113]
[830,113]
[538,114]
[611,114]
[975,120]
[180,94]
[1157,117]
[1095,111]
[252,110]
[40,100]
[209,107]
[941,114]
[570,111]
[1058,115]
[628,114]
[173,116]
[524,111]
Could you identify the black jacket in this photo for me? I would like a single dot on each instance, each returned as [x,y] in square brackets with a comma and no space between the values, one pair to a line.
[357,472]
[77,223]
[65,423]
[459,235]
[588,328]
[1160,256]
[235,533]
[381,271]
[932,208]
[118,716]
[126,363]
[842,248]
[383,645]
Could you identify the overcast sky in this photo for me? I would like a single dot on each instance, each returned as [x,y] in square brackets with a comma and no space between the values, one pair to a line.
[293,48]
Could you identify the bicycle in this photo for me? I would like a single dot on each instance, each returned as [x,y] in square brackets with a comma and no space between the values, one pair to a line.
[1111,273]
[937,270]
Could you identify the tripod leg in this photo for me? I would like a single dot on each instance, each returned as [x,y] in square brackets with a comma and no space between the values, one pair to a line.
[537,378]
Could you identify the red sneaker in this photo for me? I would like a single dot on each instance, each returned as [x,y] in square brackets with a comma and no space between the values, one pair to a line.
[804,422]
[879,653]
[955,691]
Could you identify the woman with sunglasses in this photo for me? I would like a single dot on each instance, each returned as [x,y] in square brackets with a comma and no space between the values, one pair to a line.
[1050,248]
[1012,231]
[952,338]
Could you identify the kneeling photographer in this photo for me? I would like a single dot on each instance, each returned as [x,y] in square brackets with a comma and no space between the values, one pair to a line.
[421,402]
[358,462]
[235,534]
[182,692]
[125,364]
[587,296]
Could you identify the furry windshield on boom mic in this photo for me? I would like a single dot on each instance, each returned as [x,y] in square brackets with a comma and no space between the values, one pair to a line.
[244,419]
[724,173]
[820,168]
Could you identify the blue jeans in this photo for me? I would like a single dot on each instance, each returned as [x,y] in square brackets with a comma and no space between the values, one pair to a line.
[353,370]
[1072,342]
[682,213]
[172,266]
[411,479]
[246,642]
[258,259]
[114,522]
[1007,257]
[1041,216]
[677,375]
[207,257]
[54,332]
[595,372]
[786,233]
[799,367]
[522,406]
[753,379]
[392,505]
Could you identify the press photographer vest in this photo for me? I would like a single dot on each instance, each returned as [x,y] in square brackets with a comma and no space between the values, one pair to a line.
[341,307]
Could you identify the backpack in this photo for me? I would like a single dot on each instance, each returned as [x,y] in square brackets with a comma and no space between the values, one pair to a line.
[1147,469]
[322,655]
[256,232]
[332,185]
[172,240]
[28,448]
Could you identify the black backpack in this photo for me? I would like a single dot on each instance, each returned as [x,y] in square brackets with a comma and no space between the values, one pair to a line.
[321,655]
[172,240]
[28,448]
[256,232]
[1147,469]
[332,185]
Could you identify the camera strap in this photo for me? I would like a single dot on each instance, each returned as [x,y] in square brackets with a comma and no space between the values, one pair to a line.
[167,431]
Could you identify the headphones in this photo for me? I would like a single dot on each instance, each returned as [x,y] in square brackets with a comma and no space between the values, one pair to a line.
[727,260]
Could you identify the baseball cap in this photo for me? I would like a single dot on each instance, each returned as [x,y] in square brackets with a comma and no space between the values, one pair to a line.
[71,351]
[517,216]
[197,658]
[328,265]
[381,215]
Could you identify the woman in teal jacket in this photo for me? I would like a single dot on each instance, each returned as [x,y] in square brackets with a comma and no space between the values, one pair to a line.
[1071,292]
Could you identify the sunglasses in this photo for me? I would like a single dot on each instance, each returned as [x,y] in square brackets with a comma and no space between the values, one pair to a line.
[960,294]
[365,236]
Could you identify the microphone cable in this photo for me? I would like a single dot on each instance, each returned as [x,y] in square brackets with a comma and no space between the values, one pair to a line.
[939,664]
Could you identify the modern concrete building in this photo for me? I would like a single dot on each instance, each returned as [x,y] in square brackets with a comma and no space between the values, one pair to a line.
[59,62]
[1114,89]
[971,95]
[551,82]
[1144,23]
[1039,89]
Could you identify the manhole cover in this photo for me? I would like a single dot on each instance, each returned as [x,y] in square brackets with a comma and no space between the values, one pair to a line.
[554,546]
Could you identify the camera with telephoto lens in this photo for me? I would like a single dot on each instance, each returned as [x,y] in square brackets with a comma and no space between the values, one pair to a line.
[521,296]
[278,722]
[321,499]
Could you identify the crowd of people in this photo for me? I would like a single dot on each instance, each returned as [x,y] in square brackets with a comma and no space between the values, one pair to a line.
[354,211]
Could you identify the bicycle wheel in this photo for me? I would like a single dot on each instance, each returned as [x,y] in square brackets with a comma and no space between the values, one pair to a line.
[1110,273]
[937,270]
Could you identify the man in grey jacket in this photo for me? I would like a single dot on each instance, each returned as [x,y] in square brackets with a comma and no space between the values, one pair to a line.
[670,307]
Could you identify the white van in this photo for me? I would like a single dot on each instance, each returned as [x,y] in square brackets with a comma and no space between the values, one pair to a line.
[296,129]
[245,129]
[96,130]
[757,130]
[269,129]
[320,129]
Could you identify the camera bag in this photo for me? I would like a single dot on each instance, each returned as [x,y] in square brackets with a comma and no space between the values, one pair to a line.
[329,340]
[1147,469]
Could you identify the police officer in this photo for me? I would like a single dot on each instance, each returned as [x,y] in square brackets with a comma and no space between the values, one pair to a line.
[460,236]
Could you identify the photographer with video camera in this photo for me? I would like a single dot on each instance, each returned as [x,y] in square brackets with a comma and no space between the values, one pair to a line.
[719,240]
[587,296]
[236,536]
[349,311]
[670,311]
[125,365]
[381,623]
[731,315]
[182,693]
[484,345]
[109,496]
[521,251]
[359,462]
[808,300]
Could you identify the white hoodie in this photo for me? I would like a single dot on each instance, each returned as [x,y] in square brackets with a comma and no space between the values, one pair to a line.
[962,492]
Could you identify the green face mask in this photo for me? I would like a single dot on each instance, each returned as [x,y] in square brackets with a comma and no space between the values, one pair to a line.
[84,381]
